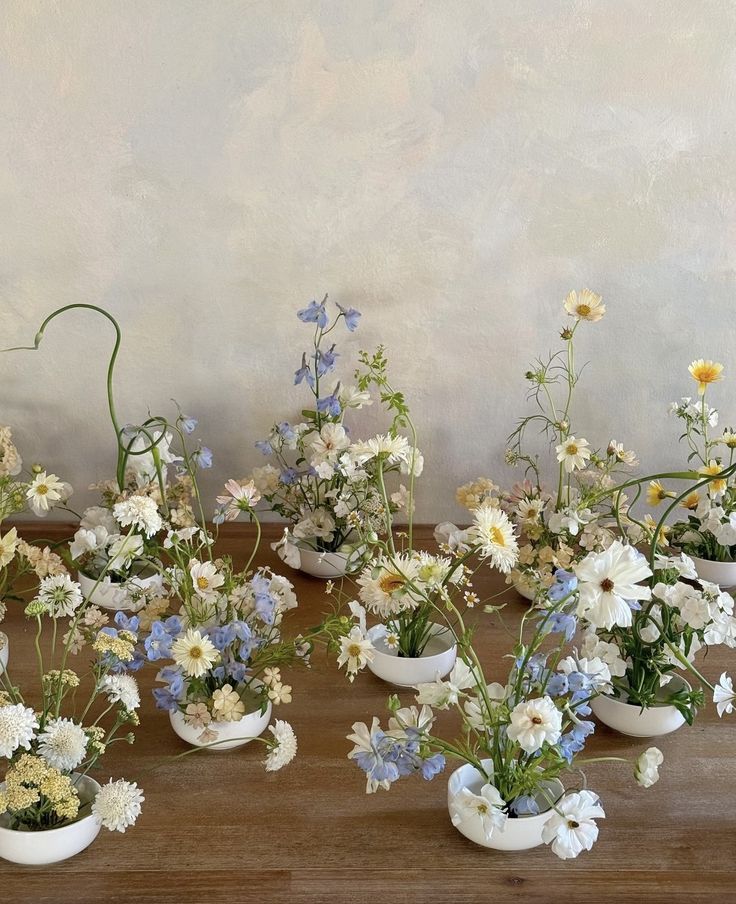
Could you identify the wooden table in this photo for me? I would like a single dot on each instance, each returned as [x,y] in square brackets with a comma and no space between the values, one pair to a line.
[217,828]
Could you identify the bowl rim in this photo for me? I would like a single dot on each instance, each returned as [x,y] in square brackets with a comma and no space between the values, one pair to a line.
[77,822]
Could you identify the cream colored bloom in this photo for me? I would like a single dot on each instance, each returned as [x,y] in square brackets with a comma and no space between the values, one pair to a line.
[194,653]
[279,693]
[585,305]
[573,453]
[705,372]
[8,545]
[356,651]
[44,491]
[715,486]
[493,532]
[227,705]
[656,493]
[205,578]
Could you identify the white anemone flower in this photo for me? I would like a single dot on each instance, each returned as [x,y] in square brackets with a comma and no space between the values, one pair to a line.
[606,580]
[329,443]
[534,722]
[485,808]
[572,828]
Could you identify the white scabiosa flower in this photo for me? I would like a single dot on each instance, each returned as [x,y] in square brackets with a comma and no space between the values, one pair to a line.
[282,749]
[494,533]
[646,770]
[572,828]
[535,721]
[140,512]
[62,744]
[606,580]
[60,595]
[17,726]
[118,805]
[122,689]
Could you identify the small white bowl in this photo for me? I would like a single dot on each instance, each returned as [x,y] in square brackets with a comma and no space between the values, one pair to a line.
[721,573]
[437,660]
[229,734]
[53,845]
[113,596]
[325,565]
[630,719]
[520,833]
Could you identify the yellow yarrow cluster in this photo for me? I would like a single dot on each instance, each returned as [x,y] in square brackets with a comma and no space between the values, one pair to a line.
[31,778]
[121,646]
[476,493]
[54,678]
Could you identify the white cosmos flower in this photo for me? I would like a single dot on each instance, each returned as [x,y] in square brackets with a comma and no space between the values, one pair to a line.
[723,695]
[205,578]
[574,453]
[584,305]
[534,722]
[647,766]
[485,808]
[139,512]
[60,594]
[118,805]
[352,397]
[356,651]
[282,749]
[62,744]
[44,491]
[122,689]
[411,717]
[194,653]
[443,694]
[329,443]
[124,550]
[494,533]
[573,829]
[17,726]
[606,580]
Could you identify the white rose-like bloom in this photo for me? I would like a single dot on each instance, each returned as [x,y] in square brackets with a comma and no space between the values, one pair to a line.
[283,749]
[573,829]
[535,721]
[122,689]
[140,512]
[62,744]
[486,808]
[17,726]
[60,594]
[118,805]
[606,580]
[723,695]
[97,516]
[494,533]
[647,766]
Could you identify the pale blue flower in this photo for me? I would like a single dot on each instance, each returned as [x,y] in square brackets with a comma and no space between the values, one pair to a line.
[165,700]
[202,458]
[314,313]
[304,373]
[351,317]
[188,424]
[432,766]
[561,623]
[264,445]
[326,361]
[330,404]
[557,685]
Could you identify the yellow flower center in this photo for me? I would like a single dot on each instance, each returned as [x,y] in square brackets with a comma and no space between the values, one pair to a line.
[42,489]
[203,583]
[572,449]
[391,582]
[354,650]
[483,809]
[583,310]
[497,537]
[195,652]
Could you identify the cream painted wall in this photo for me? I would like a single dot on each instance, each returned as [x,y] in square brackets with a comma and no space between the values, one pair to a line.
[449,167]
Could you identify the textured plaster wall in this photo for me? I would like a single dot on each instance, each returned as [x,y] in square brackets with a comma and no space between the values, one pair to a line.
[450,167]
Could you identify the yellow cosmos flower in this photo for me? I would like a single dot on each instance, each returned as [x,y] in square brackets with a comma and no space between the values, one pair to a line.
[656,493]
[585,305]
[691,501]
[705,372]
[715,486]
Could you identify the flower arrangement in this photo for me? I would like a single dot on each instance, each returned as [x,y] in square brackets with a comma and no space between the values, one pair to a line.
[415,594]
[519,738]
[51,746]
[322,481]
[709,528]
[557,527]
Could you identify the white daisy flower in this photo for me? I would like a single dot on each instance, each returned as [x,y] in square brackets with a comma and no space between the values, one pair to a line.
[282,749]
[17,726]
[62,744]
[606,580]
[122,689]
[384,585]
[356,651]
[585,305]
[572,828]
[60,594]
[573,453]
[493,531]
[194,653]
[44,491]
[140,512]
[118,805]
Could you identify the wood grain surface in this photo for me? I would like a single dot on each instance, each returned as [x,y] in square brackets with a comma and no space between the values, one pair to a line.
[217,828]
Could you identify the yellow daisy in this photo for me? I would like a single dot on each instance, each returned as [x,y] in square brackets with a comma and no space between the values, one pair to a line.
[714,467]
[585,305]
[705,372]
[691,501]
[656,493]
